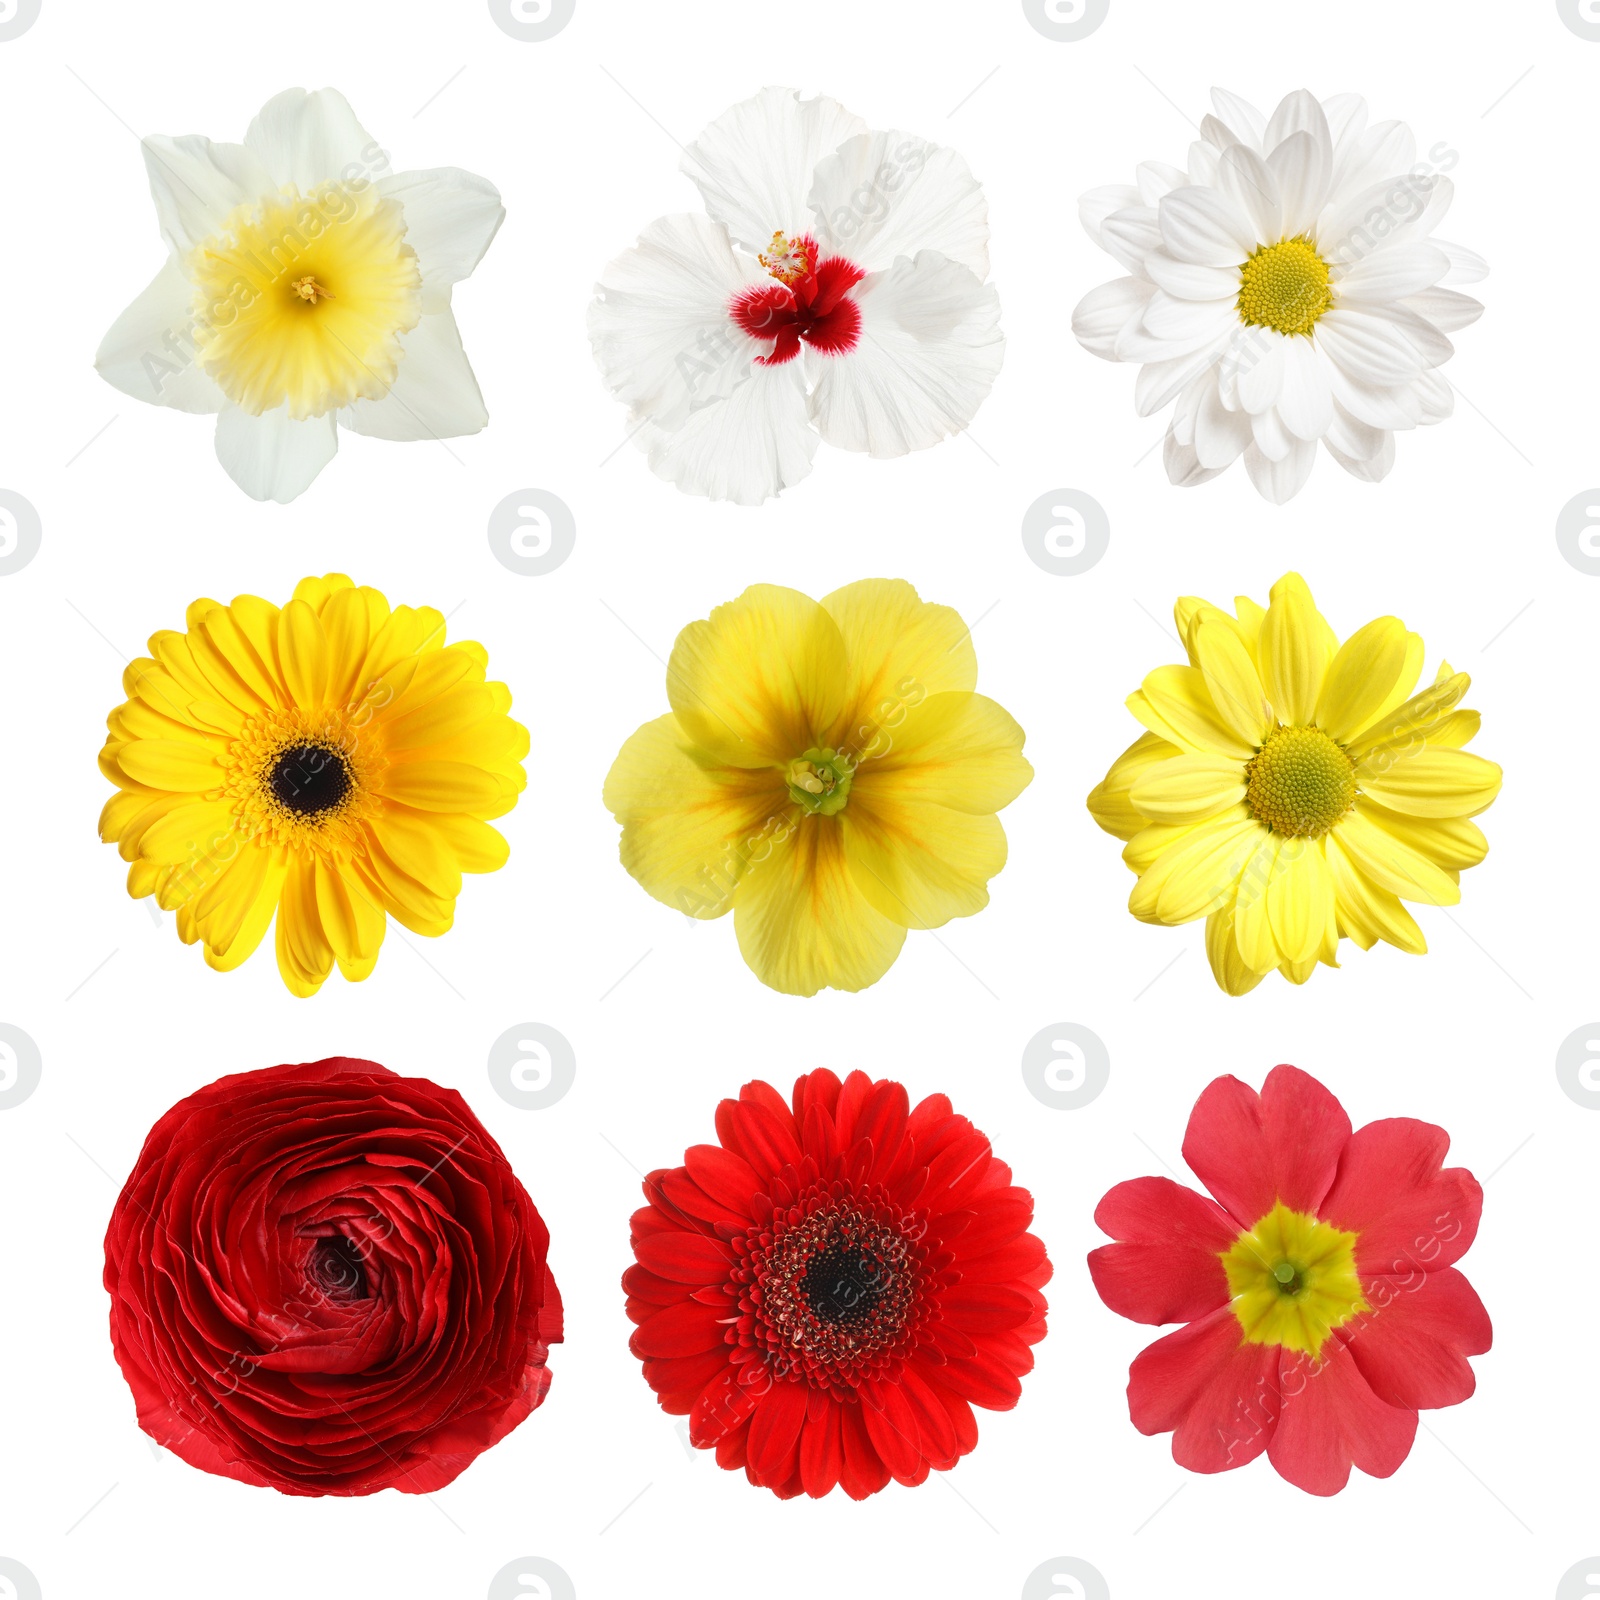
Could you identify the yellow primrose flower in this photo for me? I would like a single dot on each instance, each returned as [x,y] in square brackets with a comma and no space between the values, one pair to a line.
[333,761]
[827,773]
[1292,790]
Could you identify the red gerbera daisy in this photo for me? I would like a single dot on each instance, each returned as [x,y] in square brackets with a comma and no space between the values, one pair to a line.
[1319,1288]
[829,1291]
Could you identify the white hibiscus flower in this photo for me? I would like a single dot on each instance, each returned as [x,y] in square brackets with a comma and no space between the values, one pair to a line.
[835,290]
[306,283]
[1286,289]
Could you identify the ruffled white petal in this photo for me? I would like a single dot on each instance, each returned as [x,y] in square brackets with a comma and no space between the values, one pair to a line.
[149,351]
[659,322]
[755,164]
[273,457]
[929,351]
[451,217]
[196,183]
[744,447]
[308,140]
[881,196]
[434,395]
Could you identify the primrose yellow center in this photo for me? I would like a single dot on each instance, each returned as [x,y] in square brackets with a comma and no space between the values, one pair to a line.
[302,300]
[1293,1280]
[819,781]
[1300,783]
[1284,286]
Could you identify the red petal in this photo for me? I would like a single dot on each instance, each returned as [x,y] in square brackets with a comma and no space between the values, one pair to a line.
[728,1179]
[934,1426]
[863,1472]
[1253,1150]
[998,1221]
[852,1093]
[986,1307]
[681,1330]
[984,1379]
[682,1379]
[892,1427]
[750,1129]
[1332,1420]
[819,1088]
[821,1453]
[1411,1216]
[1017,1262]
[684,1257]
[775,1434]
[1167,1267]
[654,1291]
[1217,1395]
[1412,1347]
[726,1404]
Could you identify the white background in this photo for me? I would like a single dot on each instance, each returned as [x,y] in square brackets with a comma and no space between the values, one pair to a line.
[580,135]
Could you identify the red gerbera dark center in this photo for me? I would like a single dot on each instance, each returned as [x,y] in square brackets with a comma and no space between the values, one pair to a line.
[833,1291]
[811,301]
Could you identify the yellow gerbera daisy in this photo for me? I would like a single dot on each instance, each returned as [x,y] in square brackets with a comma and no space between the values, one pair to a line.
[827,773]
[333,761]
[1292,790]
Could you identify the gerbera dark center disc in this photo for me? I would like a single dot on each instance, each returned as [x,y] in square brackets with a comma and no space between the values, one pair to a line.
[845,1285]
[309,779]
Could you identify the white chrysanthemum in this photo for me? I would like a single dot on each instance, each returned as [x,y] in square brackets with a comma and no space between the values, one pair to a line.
[1286,289]
[835,290]
[306,283]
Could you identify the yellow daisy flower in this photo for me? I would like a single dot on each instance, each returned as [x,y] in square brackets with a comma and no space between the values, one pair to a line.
[1292,790]
[827,773]
[333,761]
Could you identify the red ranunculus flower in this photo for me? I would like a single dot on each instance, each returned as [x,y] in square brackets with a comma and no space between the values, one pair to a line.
[1319,1287]
[327,1279]
[830,1290]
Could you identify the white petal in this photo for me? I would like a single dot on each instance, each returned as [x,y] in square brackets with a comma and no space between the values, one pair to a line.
[1378,407]
[1183,465]
[1348,436]
[1392,274]
[273,457]
[451,217]
[1371,469]
[1384,150]
[1240,115]
[754,164]
[929,351]
[1261,369]
[1204,160]
[1160,382]
[1445,309]
[1281,481]
[1347,118]
[1130,236]
[1435,399]
[1367,347]
[1303,166]
[1098,204]
[307,140]
[1194,320]
[1247,180]
[1204,225]
[744,447]
[1190,281]
[434,396]
[1306,403]
[1219,434]
[1397,210]
[1466,266]
[1298,112]
[881,196]
[196,183]
[1105,311]
[149,352]
[1269,435]
[1156,179]
[659,323]
[1187,405]
[1432,347]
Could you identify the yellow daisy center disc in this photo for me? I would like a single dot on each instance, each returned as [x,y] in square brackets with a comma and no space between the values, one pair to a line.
[1300,782]
[303,300]
[1284,286]
[1293,1280]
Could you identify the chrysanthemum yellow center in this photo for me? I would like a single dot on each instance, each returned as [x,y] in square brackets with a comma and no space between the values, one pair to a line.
[302,300]
[820,780]
[1300,782]
[302,779]
[1285,286]
[1293,1280]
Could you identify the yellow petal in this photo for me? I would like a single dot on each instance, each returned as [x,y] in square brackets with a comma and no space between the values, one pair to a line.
[1252,926]
[1295,649]
[182,765]
[1190,612]
[1188,788]
[762,680]
[802,923]
[1199,873]
[349,619]
[1222,951]
[1175,703]
[419,847]
[1300,899]
[446,717]
[303,652]
[444,786]
[920,865]
[957,750]
[1153,841]
[1232,679]
[1367,677]
[1251,615]
[192,833]
[899,650]
[305,958]
[1366,912]
[353,923]
[1432,783]
[1110,801]
[1413,725]
[692,830]
[1393,864]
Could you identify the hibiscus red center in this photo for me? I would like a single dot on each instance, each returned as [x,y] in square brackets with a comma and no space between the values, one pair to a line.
[810,301]
[834,1288]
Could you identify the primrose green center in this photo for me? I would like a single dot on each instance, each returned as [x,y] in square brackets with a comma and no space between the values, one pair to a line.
[1285,286]
[819,780]
[1300,783]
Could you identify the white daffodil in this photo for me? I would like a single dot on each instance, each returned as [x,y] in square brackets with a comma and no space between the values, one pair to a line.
[307,285]
[835,290]
[1285,289]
